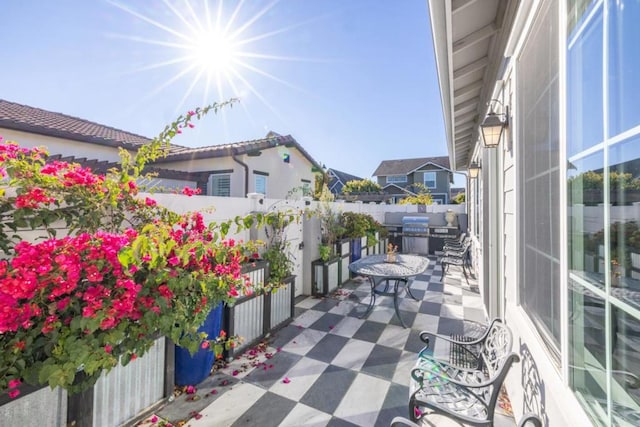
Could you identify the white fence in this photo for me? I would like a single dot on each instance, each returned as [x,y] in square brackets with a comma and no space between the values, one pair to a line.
[125,392]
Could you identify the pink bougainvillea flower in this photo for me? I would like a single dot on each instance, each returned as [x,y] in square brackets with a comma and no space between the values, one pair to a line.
[108,348]
[204,345]
[150,202]
[214,391]
[14,383]
[286,380]
[154,419]
[197,416]
[235,373]
[190,389]
[14,393]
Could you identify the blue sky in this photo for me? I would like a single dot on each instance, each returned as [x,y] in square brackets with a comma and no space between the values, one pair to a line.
[354,81]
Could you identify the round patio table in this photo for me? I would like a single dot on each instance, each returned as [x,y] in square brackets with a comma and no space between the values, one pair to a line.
[377,269]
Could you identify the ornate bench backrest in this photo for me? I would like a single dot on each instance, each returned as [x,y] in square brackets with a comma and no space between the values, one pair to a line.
[496,348]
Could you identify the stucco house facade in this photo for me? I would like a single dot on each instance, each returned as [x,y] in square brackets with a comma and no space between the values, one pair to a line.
[274,165]
[553,211]
[397,177]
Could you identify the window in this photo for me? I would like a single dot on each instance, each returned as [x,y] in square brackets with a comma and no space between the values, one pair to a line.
[396,178]
[260,183]
[603,196]
[430,179]
[538,166]
[220,185]
[306,187]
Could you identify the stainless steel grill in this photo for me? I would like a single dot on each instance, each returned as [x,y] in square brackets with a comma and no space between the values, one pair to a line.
[415,235]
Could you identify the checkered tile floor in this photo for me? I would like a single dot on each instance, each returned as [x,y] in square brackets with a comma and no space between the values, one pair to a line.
[331,367]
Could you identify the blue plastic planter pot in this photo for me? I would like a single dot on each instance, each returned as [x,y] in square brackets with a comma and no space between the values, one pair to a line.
[191,370]
[356,249]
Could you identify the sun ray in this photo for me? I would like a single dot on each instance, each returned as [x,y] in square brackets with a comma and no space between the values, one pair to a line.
[282,30]
[275,111]
[233,16]
[283,58]
[177,13]
[149,20]
[272,77]
[173,79]
[188,92]
[193,14]
[158,65]
[147,40]
[255,17]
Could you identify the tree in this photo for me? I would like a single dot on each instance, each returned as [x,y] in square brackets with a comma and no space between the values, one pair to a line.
[361,186]
[459,199]
[422,196]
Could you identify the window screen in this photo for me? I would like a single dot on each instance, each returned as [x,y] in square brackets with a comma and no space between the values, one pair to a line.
[538,165]
[221,185]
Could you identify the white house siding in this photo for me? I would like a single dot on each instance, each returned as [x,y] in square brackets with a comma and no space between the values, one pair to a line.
[66,147]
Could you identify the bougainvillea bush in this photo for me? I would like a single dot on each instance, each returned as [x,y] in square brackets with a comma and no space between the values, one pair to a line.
[111,272]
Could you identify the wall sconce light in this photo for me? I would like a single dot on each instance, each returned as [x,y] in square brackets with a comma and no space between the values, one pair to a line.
[494,124]
[474,170]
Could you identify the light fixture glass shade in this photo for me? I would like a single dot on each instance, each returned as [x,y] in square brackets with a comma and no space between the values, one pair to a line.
[474,170]
[492,128]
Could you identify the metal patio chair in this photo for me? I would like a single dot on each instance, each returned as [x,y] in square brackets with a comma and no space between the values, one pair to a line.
[468,395]
[457,258]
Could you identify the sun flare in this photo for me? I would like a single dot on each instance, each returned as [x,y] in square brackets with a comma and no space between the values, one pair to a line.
[209,47]
[214,52]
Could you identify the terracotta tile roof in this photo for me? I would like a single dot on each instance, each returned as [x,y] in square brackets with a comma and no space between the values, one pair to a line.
[406,166]
[238,148]
[36,120]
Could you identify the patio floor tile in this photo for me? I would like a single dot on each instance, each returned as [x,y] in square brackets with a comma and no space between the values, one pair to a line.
[332,368]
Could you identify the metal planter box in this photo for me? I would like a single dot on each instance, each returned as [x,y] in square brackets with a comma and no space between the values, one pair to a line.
[325,276]
[122,395]
[344,251]
[256,316]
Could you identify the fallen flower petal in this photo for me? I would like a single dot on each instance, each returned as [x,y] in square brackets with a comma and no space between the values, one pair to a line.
[286,380]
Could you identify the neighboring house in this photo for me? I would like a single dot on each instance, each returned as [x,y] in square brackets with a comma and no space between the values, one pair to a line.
[397,177]
[338,179]
[554,226]
[272,166]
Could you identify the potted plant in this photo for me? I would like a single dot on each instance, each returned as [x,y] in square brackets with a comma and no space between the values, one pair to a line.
[364,230]
[271,305]
[326,271]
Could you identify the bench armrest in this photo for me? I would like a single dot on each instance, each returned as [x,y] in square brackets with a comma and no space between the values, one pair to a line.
[446,378]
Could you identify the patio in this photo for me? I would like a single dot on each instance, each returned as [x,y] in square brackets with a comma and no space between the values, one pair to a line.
[329,367]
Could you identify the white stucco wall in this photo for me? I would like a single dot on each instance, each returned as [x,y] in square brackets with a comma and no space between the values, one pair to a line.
[282,177]
[62,146]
